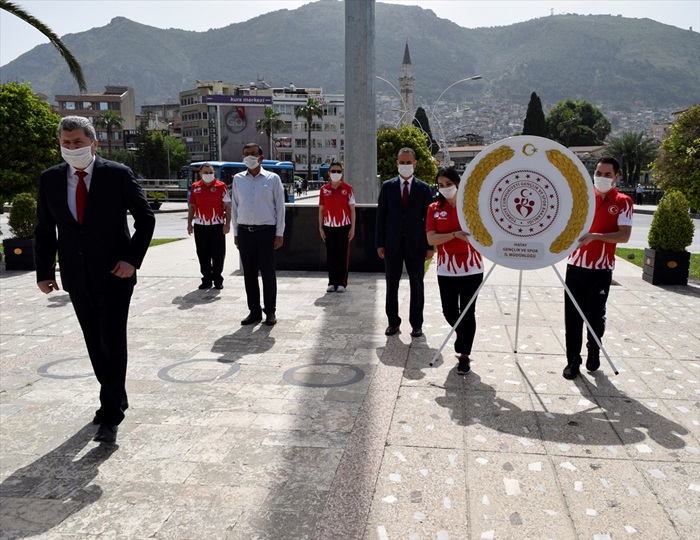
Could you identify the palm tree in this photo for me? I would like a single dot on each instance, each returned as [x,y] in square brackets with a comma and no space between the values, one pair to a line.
[73,64]
[271,122]
[110,121]
[312,108]
[635,151]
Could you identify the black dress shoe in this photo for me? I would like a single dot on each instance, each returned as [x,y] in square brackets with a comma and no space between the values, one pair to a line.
[572,369]
[391,330]
[416,332]
[204,286]
[251,319]
[593,359]
[271,320]
[106,433]
[219,286]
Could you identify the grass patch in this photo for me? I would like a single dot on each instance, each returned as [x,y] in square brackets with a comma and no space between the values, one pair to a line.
[636,256]
[161,241]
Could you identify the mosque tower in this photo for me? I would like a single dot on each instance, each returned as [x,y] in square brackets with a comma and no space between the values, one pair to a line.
[406,82]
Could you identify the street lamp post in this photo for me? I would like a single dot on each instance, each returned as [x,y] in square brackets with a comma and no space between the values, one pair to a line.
[404,111]
[167,145]
[445,150]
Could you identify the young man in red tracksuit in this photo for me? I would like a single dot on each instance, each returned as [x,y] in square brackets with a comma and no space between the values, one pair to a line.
[590,267]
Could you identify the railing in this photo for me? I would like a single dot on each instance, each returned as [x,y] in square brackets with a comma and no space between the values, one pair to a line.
[651,195]
[175,190]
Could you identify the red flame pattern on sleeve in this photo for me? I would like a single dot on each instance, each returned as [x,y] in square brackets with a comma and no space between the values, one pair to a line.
[209,202]
[613,210]
[456,257]
[336,204]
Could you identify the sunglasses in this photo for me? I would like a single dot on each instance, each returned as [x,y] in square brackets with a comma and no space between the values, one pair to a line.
[336,171]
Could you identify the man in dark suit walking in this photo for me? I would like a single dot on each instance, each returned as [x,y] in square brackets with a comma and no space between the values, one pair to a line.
[401,238]
[81,214]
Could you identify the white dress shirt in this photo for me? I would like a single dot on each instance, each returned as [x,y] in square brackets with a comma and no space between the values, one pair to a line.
[257,200]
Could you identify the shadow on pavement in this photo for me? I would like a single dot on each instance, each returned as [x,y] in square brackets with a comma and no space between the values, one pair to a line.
[611,420]
[41,495]
[195,298]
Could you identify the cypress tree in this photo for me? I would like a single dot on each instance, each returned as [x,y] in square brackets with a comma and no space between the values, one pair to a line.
[534,119]
[420,120]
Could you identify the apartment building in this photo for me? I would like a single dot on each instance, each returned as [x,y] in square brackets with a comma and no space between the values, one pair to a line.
[119,99]
[327,133]
[216,118]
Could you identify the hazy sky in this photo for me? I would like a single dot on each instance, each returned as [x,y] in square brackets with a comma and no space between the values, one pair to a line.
[72,16]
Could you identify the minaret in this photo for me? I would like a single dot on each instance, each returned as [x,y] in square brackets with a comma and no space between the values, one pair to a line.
[406,82]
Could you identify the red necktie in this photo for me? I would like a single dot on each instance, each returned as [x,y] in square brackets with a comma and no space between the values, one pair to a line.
[81,193]
[404,196]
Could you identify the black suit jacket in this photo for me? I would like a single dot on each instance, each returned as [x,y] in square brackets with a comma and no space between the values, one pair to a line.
[396,223]
[91,250]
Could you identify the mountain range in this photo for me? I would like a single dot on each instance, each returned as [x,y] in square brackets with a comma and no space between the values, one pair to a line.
[608,60]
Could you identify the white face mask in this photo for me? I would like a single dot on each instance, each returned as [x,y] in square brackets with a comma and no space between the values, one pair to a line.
[335,177]
[79,158]
[251,162]
[406,170]
[602,184]
[448,192]
[208,177]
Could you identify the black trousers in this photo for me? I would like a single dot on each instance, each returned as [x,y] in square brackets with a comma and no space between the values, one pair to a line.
[210,241]
[393,268]
[590,288]
[455,293]
[103,312]
[257,249]
[337,254]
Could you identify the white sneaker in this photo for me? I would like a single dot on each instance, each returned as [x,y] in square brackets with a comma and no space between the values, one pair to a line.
[340,289]
[330,288]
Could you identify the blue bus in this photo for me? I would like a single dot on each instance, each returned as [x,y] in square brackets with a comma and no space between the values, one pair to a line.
[323,175]
[225,170]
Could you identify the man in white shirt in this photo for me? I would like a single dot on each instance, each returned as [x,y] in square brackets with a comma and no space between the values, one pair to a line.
[257,203]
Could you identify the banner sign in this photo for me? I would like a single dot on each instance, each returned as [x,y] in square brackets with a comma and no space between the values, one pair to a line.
[226,99]
[526,201]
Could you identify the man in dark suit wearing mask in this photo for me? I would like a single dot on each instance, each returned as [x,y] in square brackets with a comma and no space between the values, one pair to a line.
[400,238]
[81,214]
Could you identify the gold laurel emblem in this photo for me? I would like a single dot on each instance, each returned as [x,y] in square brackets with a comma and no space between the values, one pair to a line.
[532,152]
[579,191]
[470,203]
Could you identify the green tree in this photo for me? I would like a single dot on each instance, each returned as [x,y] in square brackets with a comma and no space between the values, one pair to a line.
[535,123]
[421,122]
[391,140]
[635,153]
[151,158]
[312,108]
[269,124]
[111,122]
[73,64]
[126,157]
[678,163]
[154,150]
[179,156]
[28,142]
[577,123]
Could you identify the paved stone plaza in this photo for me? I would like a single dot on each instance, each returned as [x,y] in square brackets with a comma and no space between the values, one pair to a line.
[323,428]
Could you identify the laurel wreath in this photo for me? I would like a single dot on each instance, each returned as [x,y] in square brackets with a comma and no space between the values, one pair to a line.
[579,191]
[470,204]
